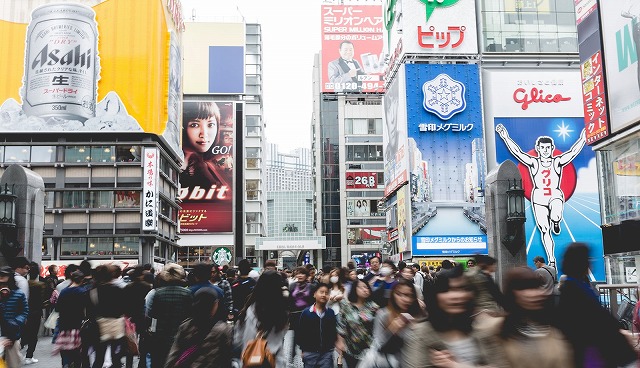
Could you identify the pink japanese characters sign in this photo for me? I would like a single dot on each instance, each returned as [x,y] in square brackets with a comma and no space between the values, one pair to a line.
[352,55]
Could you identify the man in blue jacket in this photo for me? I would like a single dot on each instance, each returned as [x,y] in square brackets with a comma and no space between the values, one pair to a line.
[316,334]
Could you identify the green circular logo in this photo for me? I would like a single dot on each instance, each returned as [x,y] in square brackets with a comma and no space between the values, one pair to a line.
[221,256]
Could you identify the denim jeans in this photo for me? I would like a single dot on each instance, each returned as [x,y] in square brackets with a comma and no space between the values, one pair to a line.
[318,360]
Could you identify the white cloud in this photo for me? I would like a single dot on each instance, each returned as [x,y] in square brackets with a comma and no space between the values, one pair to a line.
[587,178]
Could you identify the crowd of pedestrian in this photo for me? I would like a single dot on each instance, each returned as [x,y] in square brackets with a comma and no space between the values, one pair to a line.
[391,315]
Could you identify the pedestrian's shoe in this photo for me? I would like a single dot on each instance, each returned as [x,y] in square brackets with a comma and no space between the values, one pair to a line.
[30,361]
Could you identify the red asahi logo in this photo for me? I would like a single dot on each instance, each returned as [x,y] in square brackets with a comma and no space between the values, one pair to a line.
[536,96]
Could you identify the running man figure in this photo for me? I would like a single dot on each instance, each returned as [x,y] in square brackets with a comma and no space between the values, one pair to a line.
[547,198]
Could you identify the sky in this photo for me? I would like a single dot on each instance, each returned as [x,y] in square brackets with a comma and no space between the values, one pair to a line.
[290,39]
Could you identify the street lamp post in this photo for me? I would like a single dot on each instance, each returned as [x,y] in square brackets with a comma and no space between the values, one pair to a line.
[515,216]
[9,243]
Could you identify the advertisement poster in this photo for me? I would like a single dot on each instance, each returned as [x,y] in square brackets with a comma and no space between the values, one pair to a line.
[66,69]
[402,222]
[445,134]
[621,37]
[394,136]
[365,235]
[363,208]
[206,182]
[361,180]
[352,55]
[562,204]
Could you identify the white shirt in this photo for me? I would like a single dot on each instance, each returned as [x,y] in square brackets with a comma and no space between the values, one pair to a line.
[22,284]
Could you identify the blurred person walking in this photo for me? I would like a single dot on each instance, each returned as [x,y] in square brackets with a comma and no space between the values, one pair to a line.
[592,331]
[202,340]
[135,293]
[450,338]
[107,308]
[35,300]
[488,295]
[355,322]
[265,313]
[14,309]
[391,329]
[242,286]
[72,304]
[168,307]
[527,328]
[383,283]
[337,292]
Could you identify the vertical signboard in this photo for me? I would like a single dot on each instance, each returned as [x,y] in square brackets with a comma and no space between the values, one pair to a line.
[592,71]
[207,177]
[402,221]
[444,117]
[352,55]
[150,171]
[621,38]
[547,141]
[394,137]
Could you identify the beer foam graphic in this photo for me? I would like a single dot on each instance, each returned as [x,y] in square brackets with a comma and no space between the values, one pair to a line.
[111,115]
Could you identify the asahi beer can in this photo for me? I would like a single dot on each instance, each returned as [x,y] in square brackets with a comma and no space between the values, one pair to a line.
[61,63]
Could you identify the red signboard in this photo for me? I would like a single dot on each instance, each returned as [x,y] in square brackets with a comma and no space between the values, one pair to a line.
[206,181]
[362,180]
[352,48]
[595,101]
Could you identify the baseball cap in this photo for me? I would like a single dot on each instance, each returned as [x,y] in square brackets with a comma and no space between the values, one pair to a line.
[6,271]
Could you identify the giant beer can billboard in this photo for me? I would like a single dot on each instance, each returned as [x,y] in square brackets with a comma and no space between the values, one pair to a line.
[92,66]
[61,63]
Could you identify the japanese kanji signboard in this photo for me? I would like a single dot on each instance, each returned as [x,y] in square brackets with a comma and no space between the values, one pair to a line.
[595,100]
[150,172]
[352,55]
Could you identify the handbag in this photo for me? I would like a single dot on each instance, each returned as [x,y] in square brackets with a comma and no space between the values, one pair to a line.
[131,337]
[52,320]
[89,332]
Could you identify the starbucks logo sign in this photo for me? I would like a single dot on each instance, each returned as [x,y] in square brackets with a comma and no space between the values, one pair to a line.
[221,256]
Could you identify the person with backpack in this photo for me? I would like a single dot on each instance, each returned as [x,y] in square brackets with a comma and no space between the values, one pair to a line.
[547,273]
[317,331]
[202,340]
[264,319]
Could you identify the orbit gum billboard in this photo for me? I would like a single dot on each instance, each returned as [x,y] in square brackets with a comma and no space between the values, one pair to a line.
[352,49]
[70,67]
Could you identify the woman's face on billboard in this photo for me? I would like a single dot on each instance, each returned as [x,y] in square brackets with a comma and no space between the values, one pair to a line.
[202,133]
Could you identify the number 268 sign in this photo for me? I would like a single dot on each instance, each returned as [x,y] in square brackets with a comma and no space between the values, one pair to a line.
[362,180]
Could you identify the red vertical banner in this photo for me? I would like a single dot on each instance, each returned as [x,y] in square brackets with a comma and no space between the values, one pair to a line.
[595,100]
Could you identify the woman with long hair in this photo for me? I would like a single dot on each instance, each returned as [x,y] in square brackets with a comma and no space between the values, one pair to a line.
[449,338]
[390,328]
[266,312]
[202,340]
[528,324]
[355,322]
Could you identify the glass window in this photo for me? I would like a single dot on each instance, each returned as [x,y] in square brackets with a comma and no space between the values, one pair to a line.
[75,199]
[43,154]
[102,154]
[101,246]
[47,246]
[253,163]
[253,152]
[126,245]
[49,199]
[253,192]
[127,199]
[253,120]
[128,153]
[1,153]
[73,246]
[101,199]
[77,154]
[17,154]
[253,131]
